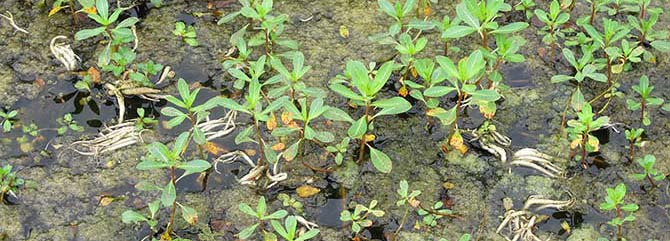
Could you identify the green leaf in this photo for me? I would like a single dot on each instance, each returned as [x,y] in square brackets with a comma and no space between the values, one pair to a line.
[283,131]
[661,45]
[485,95]
[130,216]
[160,151]
[247,232]
[232,105]
[510,28]
[227,18]
[458,31]
[346,92]
[128,22]
[358,128]
[103,8]
[276,215]
[336,114]
[169,195]
[464,14]
[189,214]
[308,235]
[632,207]
[380,160]
[88,33]
[392,106]
[194,166]
[151,165]
[446,117]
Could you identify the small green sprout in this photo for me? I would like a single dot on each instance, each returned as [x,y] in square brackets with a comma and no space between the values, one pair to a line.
[195,114]
[634,137]
[30,129]
[526,6]
[553,21]
[407,199]
[596,6]
[612,32]
[643,89]
[120,60]
[9,182]
[430,216]
[67,123]
[260,213]
[7,119]
[188,34]
[648,36]
[142,121]
[625,55]
[450,30]
[288,231]
[359,218]
[144,71]
[130,216]
[291,80]
[357,76]
[464,237]
[479,16]
[579,132]
[288,201]
[339,150]
[650,173]
[397,11]
[615,201]
[119,34]
[584,69]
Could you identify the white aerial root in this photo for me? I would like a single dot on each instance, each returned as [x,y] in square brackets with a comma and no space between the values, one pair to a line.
[10,18]
[142,92]
[219,127]
[63,53]
[538,161]
[256,171]
[309,225]
[109,139]
[520,224]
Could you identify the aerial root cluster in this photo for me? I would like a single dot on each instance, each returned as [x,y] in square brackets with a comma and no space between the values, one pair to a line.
[536,160]
[218,127]
[521,224]
[256,171]
[10,18]
[109,139]
[63,53]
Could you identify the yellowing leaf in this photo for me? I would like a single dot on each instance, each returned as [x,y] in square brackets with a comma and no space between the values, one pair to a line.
[575,143]
[403,91]
[427,10]
[90,10]
[565,226]
[271,124]
[213,148]
[414,73]
[286,117]
[456,141]
[279,146]
[370,137]
[105,201]
[617,68]
[594,143]
[306,191]
[55,10]
[344,31]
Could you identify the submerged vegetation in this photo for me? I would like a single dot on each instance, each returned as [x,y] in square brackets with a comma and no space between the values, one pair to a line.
[259,120]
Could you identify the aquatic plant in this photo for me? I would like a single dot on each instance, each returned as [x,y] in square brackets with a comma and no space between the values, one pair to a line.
[643,89]
[527,7]
[359,218]
[8,117]
[120,60]
[68,123]
[357,76]
[615,201]
[307,113]
[143,121]
[261,216]
[288,231]
[479,16]
[650,173]
[648,36]
[271,26]
[397,11]
[553,21]
[434,213]
[291,80]
[613,31]
[255,70]
[450,30]
[339,149]
[288,201]
[634,137]
[117,35]
[624,55]
[621,6]
[429,91]
[161,157]
[187,33]
[506,51]
[151,219]
[579,132]
[407,199]
[9,182]
[87,6]
[596,6]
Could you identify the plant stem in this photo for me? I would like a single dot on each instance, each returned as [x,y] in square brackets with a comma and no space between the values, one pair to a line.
[593,12]
[261,145]
[173,179]
[632,151]
[361,150]
[642,109]
[267,42]
[643,11]
[609,70]
[651,181]
[619,228]
[402,223]
[485,40]
[585,165]
[446,47]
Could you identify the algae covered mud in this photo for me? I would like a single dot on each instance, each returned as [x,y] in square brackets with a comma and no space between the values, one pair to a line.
[265,120]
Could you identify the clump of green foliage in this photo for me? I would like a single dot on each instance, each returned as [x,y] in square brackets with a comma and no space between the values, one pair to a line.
[615,201]
[480,16]
[9,182]
[634,137]
[8,119]
[288,230]
[579,132]
[68,123]
[360,217]
[643,89]
[187,33]
[650,173]
[260,213]
[114,36]
[553,21]
[173,159]
[357,76]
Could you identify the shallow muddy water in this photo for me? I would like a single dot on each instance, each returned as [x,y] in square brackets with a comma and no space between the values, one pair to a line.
[61,199]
